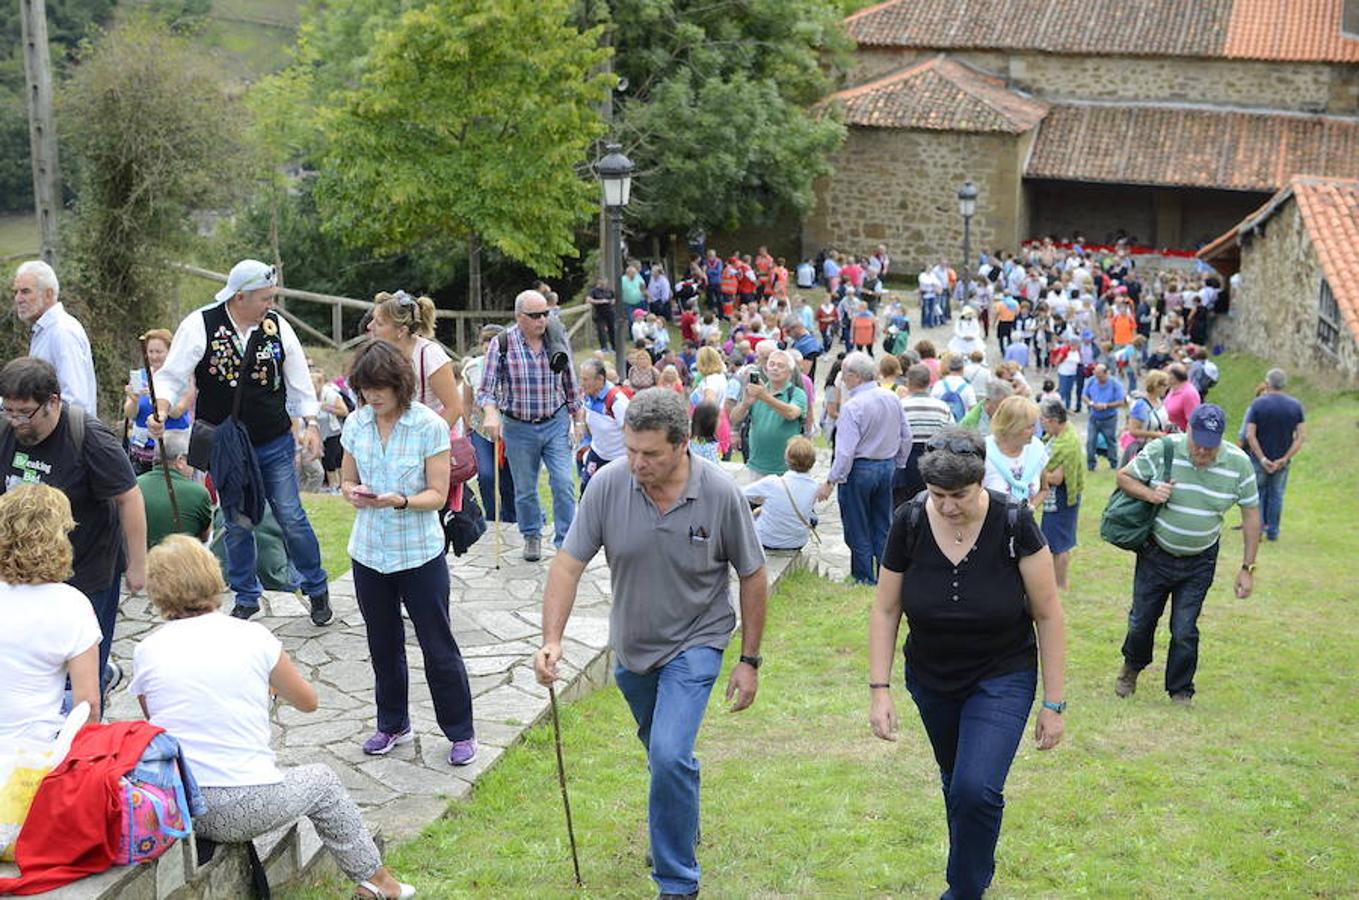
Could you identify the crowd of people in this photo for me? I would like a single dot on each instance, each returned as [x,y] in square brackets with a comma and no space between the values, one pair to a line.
[958,472]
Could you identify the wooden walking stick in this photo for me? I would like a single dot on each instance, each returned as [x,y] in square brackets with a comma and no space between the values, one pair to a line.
[155,412]
[561,780]
[499,505]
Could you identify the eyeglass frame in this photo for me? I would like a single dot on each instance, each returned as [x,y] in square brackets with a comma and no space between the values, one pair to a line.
[24,418]
[540,314]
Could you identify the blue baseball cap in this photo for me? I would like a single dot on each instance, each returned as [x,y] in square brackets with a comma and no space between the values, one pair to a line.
[1206,424]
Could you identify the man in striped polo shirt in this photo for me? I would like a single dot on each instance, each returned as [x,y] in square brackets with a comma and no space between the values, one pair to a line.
[1208,477]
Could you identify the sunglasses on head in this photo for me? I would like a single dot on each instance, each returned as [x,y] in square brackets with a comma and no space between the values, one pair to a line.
[954,445]
[403,298]
[541,314]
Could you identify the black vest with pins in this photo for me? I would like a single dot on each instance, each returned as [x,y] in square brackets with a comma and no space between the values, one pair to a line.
[264,408]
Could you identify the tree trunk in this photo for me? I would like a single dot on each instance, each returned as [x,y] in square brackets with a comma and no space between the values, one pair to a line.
[474,271]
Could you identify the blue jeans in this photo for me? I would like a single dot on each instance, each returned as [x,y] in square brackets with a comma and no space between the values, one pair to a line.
[1066,387]
[668,705]
[866,515]
[280,486]
[974,740]
[423,590]
[1184,580]
[486,481]
[528,446]
[105,605]
[1109,428]
[1271,487]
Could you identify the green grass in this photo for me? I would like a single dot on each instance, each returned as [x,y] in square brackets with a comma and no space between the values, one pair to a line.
[1250,794]
[18,234]
[331,518]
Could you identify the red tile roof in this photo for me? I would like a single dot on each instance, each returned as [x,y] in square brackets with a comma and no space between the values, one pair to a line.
[1190,146]
[940,95]
[1307,30]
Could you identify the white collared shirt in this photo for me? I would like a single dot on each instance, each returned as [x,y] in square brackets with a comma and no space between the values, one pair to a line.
[59,338]
[191,342]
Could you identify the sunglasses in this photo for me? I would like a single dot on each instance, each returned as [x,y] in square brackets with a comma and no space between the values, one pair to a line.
[404,299]
[542,314]
[954,445]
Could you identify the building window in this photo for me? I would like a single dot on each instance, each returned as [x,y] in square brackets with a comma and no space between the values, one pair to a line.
[1328,320]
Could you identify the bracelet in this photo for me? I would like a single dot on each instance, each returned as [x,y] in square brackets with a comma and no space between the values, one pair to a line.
[879,685]
[405,502]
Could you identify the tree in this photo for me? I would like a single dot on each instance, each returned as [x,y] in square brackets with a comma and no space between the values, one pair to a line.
[149,135]
[716,112]
[472,118]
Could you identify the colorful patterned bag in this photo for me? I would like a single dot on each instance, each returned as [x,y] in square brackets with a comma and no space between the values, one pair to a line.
[155,810]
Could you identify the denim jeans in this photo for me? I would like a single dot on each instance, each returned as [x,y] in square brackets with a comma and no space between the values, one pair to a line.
[1271,487]
[1080,385]
[280,486]
[604,331]
[424,592]
[528,446]
[1109,428]
[1184,580]
[1066,387]
[866,515]
[974,740]
[668,705]
[105,605]
[486,482]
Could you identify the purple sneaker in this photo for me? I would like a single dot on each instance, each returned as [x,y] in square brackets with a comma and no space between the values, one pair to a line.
[462,752]
[382,743]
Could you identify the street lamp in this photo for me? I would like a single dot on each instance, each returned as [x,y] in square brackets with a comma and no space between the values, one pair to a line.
[615,174]
[967,205]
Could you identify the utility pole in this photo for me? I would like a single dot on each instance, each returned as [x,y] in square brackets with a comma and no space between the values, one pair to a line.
[42,126]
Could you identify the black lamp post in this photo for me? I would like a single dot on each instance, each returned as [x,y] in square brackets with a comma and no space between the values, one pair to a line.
[615,174]
[967,205]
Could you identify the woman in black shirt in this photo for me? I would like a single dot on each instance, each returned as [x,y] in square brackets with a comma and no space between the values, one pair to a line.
[972,578]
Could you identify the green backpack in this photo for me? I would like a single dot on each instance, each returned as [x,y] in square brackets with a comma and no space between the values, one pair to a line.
[1127,522]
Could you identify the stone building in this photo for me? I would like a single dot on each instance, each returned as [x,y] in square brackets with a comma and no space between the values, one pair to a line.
[1163,121]
[1296,300]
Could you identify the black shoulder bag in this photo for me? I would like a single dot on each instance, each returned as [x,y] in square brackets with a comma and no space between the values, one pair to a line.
[203,434]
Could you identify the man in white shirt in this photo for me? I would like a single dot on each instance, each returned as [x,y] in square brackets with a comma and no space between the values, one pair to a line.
[56,334]
[605,406]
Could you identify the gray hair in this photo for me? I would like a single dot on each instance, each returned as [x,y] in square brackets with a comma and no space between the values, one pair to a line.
[956,363]
[788,360]
[176,443]
[860,365]
[791,322]
[1054,409]
[658,409]
[524,297]
[1276,379]
[44,278]
[595,367]
[945,466]
[999,389]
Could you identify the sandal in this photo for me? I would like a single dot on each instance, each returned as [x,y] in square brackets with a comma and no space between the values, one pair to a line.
[373,891]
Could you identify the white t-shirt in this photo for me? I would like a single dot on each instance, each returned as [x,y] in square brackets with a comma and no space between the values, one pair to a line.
[46,626]
[778,526]
[428,358]
[1031,459]
[206,681]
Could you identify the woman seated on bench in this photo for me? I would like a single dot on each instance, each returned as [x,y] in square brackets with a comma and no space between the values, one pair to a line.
[207,679]
[50,630]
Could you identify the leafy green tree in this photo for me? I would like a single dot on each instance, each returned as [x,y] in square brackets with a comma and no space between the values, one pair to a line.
[716,112]
[149,135]
[471,117]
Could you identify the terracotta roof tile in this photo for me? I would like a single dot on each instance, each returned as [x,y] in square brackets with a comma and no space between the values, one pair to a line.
[940,95]
[1305,30]
[1330,212]
[1192,147]
[1295,30]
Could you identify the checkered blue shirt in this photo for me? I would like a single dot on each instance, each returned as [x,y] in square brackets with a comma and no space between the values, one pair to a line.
[532,390]
[393,540]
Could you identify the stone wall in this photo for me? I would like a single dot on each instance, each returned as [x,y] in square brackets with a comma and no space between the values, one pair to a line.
[1305,87]
[899,187]
[1274,313]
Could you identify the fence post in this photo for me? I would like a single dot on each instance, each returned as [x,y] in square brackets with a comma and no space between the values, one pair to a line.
[459,336]
[337,323]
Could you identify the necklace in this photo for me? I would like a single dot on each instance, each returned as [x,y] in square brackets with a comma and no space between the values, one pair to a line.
[957,537]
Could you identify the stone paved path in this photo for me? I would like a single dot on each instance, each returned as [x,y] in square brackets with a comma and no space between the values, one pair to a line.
[496,620]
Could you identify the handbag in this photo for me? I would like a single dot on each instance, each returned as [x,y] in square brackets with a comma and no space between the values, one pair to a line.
[203,434]
[463,527]
[462,456]
[1127,521]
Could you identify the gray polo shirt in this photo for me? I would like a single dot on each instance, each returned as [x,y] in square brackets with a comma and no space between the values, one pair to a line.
[669,573]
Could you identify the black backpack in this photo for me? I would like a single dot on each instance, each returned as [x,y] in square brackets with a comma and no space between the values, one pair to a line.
[915,508]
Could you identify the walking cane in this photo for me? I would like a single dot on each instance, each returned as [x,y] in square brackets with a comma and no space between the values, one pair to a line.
[561,779]
[499,504]
[155,411]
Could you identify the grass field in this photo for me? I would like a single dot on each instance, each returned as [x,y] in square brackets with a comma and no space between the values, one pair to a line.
[331,518]
[1252,793]
[18,234]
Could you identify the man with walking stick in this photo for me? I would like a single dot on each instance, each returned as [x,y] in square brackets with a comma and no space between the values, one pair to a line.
[673,526]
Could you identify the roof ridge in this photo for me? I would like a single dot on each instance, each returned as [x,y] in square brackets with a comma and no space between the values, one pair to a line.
[883,81]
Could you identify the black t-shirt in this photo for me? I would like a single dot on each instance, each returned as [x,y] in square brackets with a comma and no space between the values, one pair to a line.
[970,622]
[90,480]
[601,310]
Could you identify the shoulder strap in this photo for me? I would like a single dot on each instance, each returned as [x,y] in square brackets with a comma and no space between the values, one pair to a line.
[1167,459]
[783,480]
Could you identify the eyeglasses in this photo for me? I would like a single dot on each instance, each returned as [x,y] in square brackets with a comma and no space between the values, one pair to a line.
[19,418]
[954,445]
[541,314]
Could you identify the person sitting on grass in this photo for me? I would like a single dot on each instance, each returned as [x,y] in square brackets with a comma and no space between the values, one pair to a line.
[208,680]
[786,518]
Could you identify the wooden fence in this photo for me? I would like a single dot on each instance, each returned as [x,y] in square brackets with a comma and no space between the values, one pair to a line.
[466,323]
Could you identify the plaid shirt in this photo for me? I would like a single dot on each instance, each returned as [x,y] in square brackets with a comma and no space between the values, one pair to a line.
[531,391]
[393,540]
